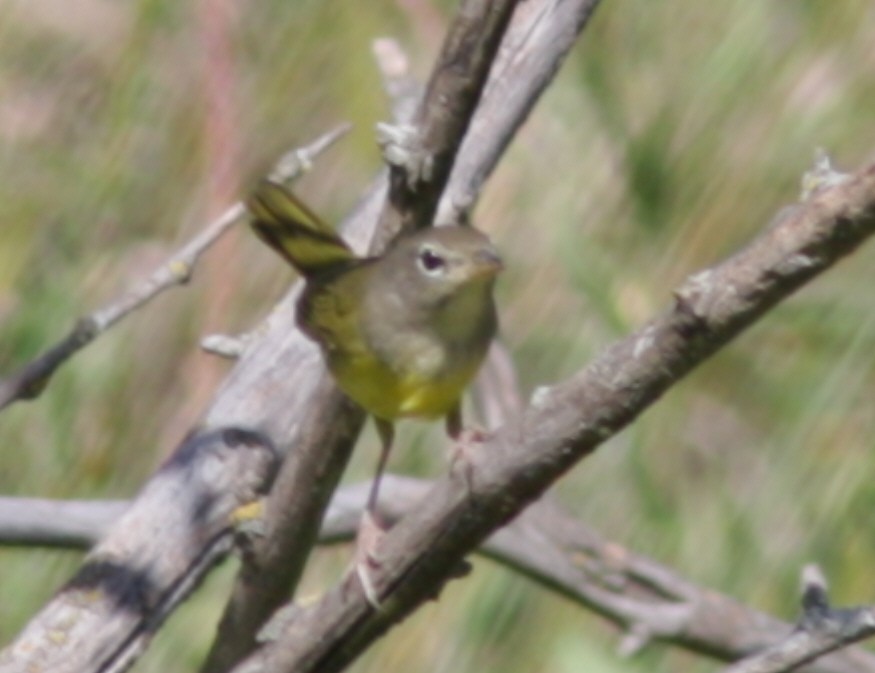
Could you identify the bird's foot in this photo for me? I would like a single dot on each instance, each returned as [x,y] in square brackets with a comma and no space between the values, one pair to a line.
[464,453]
[365,561]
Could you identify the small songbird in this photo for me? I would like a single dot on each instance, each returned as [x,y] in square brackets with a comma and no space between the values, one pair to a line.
[402,333]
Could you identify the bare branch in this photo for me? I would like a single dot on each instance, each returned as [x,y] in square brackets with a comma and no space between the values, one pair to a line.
[567,421]
[403,90]
[544,543]
[636,593]
[822,629]
[540,36]
[176,529]
[422,155]
[29,381]
[56,523]
[274,560]
[297,161]
[271,388]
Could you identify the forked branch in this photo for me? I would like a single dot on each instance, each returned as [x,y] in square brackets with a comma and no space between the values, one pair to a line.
[566,422]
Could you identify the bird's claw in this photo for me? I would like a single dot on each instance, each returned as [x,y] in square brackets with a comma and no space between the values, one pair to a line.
[463,454]
[365,561]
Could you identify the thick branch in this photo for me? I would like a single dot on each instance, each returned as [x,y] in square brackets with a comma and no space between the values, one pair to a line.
[422,155]
[540,36]
[275,558]
[568,421]
[172,534]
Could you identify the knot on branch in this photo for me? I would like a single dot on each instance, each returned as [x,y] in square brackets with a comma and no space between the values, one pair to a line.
[405,152]
[819,618]
[689,303]
[822,176]
[85,331]
[180,270]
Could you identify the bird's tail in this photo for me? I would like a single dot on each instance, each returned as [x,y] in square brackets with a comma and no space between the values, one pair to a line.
[295,232]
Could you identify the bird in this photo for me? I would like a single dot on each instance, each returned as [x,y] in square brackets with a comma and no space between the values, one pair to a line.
[402,333]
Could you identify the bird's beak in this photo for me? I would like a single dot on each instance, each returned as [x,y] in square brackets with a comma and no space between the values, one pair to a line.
[487,263]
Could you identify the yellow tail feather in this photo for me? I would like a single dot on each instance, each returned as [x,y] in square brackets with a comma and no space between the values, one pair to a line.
[295,232]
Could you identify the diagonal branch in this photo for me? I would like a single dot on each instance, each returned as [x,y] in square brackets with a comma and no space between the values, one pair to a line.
[422,155]
[638,594]
[29,381]
[540,36]
[176,529]
[568,421]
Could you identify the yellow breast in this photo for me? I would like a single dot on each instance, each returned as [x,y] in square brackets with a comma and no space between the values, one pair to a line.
[390,394]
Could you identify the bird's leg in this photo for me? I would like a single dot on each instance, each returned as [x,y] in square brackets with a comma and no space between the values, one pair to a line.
[386,430]
[454,421]
[371,528]
[457,430]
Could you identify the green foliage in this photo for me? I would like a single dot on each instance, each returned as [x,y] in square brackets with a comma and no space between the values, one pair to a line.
[673,134]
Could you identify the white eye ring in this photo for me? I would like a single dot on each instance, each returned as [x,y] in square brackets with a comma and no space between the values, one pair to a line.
[430,261]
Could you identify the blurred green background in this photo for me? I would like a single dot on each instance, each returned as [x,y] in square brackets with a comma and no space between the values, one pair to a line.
[673,133]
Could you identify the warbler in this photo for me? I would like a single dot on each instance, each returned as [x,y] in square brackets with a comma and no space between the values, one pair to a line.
[402,333]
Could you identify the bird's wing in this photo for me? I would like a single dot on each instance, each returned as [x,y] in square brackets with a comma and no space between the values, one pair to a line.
[330,312]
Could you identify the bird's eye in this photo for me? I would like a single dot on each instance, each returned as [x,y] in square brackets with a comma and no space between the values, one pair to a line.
[430,261]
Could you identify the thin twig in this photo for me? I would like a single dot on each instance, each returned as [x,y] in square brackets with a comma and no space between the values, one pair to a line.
[30,380]
[822,629]
[403,89]
[56,523]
